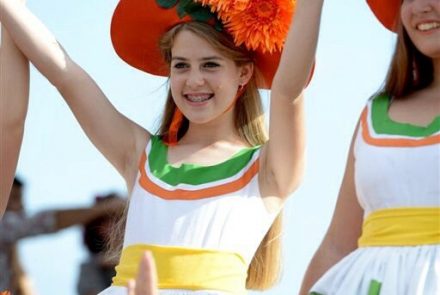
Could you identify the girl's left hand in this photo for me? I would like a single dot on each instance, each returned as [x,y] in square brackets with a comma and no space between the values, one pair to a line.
[146,281]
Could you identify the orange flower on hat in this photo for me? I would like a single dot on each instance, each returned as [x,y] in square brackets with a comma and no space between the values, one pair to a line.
[224,8]
[258,24]
[263,25]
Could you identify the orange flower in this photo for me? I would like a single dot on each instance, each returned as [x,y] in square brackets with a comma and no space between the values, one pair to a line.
[5,293]
[224,8]
[258,24]
[263,25]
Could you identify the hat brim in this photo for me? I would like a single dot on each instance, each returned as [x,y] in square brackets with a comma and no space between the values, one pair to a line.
[387,12]
[138,25]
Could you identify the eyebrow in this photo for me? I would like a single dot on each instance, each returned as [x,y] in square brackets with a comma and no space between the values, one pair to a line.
[201,59]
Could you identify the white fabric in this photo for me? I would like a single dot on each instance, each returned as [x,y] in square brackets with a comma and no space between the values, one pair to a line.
[393,177]
[401,270]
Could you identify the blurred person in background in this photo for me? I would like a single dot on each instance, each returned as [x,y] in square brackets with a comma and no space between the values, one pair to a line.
[97,271]
[16,225]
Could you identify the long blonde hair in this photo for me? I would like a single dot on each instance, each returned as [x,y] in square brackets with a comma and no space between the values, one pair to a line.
[264,270]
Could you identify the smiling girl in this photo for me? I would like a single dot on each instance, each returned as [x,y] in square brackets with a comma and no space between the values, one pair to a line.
[206,190]
[385,234]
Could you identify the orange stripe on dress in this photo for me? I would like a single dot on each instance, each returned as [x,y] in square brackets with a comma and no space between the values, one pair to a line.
[394,142]
[181,194]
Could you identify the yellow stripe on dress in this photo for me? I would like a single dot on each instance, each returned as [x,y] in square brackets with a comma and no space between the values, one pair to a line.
[401,227]
[186,268]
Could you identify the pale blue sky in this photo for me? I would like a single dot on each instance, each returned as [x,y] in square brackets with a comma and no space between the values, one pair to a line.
[62,169]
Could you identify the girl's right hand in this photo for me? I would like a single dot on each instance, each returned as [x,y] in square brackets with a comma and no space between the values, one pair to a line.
[146,281]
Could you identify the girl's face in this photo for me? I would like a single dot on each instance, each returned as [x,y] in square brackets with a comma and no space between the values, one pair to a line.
[203,82]
[421,19]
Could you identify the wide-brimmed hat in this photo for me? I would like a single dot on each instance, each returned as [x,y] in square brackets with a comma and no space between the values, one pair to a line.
[260,25]
[386,11]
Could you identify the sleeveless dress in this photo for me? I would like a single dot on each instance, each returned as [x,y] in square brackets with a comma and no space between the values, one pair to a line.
[203,224]
[397,180]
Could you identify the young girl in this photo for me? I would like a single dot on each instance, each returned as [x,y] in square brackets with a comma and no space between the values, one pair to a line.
[385,236]
[207,188]
[14,93]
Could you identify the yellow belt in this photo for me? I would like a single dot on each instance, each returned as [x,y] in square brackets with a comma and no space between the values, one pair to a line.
[186,268]
[401,227]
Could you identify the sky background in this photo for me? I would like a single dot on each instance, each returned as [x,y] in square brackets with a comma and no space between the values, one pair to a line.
[62,169]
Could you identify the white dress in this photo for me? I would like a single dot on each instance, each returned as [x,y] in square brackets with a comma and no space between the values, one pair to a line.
[397,168]
[216,208]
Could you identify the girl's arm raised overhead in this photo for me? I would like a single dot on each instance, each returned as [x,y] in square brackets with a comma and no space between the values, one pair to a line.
[14,95]
[119,139]
[283,156]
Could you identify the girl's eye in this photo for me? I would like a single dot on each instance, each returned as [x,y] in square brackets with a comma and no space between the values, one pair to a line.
[211,65]
[180,65]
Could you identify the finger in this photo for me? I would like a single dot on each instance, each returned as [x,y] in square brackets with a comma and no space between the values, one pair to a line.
[131,287]
[147,277]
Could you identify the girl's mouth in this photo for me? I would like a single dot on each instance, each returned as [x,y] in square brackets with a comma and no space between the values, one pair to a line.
[198,98]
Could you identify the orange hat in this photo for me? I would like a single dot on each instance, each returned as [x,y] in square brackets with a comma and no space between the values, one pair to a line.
[261,25]
[386,11]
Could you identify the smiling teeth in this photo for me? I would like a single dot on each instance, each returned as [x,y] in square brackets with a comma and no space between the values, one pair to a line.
[198,98]
[428,26]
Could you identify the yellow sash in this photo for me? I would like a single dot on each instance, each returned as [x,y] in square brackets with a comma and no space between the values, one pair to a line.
[186,268]
[401,227]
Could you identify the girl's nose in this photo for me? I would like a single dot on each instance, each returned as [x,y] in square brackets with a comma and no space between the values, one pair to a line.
[424,6]
[195,79]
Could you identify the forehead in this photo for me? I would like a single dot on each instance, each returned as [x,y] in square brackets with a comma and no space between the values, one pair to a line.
[190,45]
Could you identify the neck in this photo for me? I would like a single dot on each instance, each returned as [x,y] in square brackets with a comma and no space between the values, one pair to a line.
[220,129]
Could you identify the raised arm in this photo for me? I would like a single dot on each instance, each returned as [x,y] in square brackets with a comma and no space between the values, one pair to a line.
[15,226]
[343,232]
[284,153]
[14,94]
[118,139]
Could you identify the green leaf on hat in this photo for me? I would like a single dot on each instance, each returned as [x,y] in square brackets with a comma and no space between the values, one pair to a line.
[181,11]
[196,11]
[218,26]
[185,3]
[202,14]
[166,3]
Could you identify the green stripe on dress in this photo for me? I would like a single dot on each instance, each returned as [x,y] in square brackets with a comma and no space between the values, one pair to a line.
[194,174]
[383,124]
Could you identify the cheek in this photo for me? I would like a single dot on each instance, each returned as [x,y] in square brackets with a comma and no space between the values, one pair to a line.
[222,82]
[176,84]
[405,15]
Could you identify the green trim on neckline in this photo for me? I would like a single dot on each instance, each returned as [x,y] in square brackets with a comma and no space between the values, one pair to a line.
[383,124]
[191,173]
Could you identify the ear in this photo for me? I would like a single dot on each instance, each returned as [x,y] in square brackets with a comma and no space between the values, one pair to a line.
[246,72]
